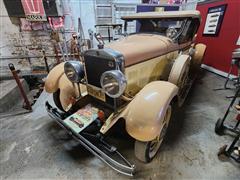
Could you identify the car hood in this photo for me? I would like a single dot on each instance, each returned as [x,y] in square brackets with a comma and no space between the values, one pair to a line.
[140,47]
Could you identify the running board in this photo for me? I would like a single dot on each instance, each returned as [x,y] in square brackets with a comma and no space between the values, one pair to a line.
[124,168]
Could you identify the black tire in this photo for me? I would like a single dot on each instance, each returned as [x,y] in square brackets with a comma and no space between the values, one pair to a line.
[219,128]
[56,99]
[142,151]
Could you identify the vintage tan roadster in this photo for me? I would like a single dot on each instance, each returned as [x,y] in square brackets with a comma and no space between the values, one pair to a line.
[135,79]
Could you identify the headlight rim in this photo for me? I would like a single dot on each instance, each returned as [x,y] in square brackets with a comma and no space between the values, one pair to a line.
[121,79]
[78,69]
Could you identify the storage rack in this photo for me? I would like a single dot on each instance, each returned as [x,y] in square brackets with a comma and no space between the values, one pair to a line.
[110,12]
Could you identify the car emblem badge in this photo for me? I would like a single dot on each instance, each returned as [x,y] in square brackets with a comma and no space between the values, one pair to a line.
[110,64]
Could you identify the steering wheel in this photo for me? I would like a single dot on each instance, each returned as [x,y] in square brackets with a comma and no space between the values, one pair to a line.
[171,32]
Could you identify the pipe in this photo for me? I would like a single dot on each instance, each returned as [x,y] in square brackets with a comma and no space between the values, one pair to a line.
[24,57]
[45,60]
[24,96]
[65,45]
[56,52]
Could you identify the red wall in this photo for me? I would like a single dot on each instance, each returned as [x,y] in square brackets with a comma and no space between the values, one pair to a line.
[219,48]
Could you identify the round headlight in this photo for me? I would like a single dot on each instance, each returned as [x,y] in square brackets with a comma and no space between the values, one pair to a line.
[74,71]
[113,83]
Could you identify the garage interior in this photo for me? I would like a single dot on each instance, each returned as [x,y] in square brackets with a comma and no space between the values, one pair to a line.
[202,138]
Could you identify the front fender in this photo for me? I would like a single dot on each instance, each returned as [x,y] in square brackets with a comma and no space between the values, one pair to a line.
[67,92]
[56,79]
[144,113]
[51,83]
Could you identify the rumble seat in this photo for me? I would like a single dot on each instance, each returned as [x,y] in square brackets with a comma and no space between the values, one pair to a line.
[141,47]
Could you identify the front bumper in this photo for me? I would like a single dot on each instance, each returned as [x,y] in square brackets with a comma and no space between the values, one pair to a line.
[95,144]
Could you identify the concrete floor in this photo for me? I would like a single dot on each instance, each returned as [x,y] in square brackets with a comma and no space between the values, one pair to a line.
[32,145]
[10,94]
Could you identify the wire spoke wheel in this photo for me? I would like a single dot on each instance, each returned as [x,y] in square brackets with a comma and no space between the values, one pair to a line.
[146,151]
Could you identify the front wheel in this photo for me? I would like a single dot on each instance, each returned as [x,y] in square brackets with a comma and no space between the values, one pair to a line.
[146,151]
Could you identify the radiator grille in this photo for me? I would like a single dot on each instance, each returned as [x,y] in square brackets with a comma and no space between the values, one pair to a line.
[95,67]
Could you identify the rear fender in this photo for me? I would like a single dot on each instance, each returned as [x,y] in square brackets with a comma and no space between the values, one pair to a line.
[198,55]
[143,115]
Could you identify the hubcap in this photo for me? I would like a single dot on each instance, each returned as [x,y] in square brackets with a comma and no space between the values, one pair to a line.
[156,143]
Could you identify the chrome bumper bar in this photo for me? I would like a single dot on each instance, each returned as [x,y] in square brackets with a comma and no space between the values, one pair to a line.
[124,168]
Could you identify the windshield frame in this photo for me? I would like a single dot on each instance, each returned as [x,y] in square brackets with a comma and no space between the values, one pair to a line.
[191,22]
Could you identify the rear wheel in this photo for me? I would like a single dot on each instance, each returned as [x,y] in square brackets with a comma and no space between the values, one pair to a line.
[146,151]
[56,99]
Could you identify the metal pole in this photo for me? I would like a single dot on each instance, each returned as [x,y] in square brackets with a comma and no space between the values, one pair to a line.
[24,57]
[45,60]
[15,75]
[56,52]
[109,38]
[65,44]
[60,47]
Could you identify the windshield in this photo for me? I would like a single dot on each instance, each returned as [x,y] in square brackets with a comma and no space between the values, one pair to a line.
[160,26]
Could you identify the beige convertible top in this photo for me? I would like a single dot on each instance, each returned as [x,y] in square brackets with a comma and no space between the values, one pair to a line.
[164,14]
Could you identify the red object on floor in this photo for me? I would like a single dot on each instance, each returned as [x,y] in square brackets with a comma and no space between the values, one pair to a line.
[219,49]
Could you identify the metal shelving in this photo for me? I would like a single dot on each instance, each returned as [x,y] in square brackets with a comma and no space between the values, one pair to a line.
[110,12]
